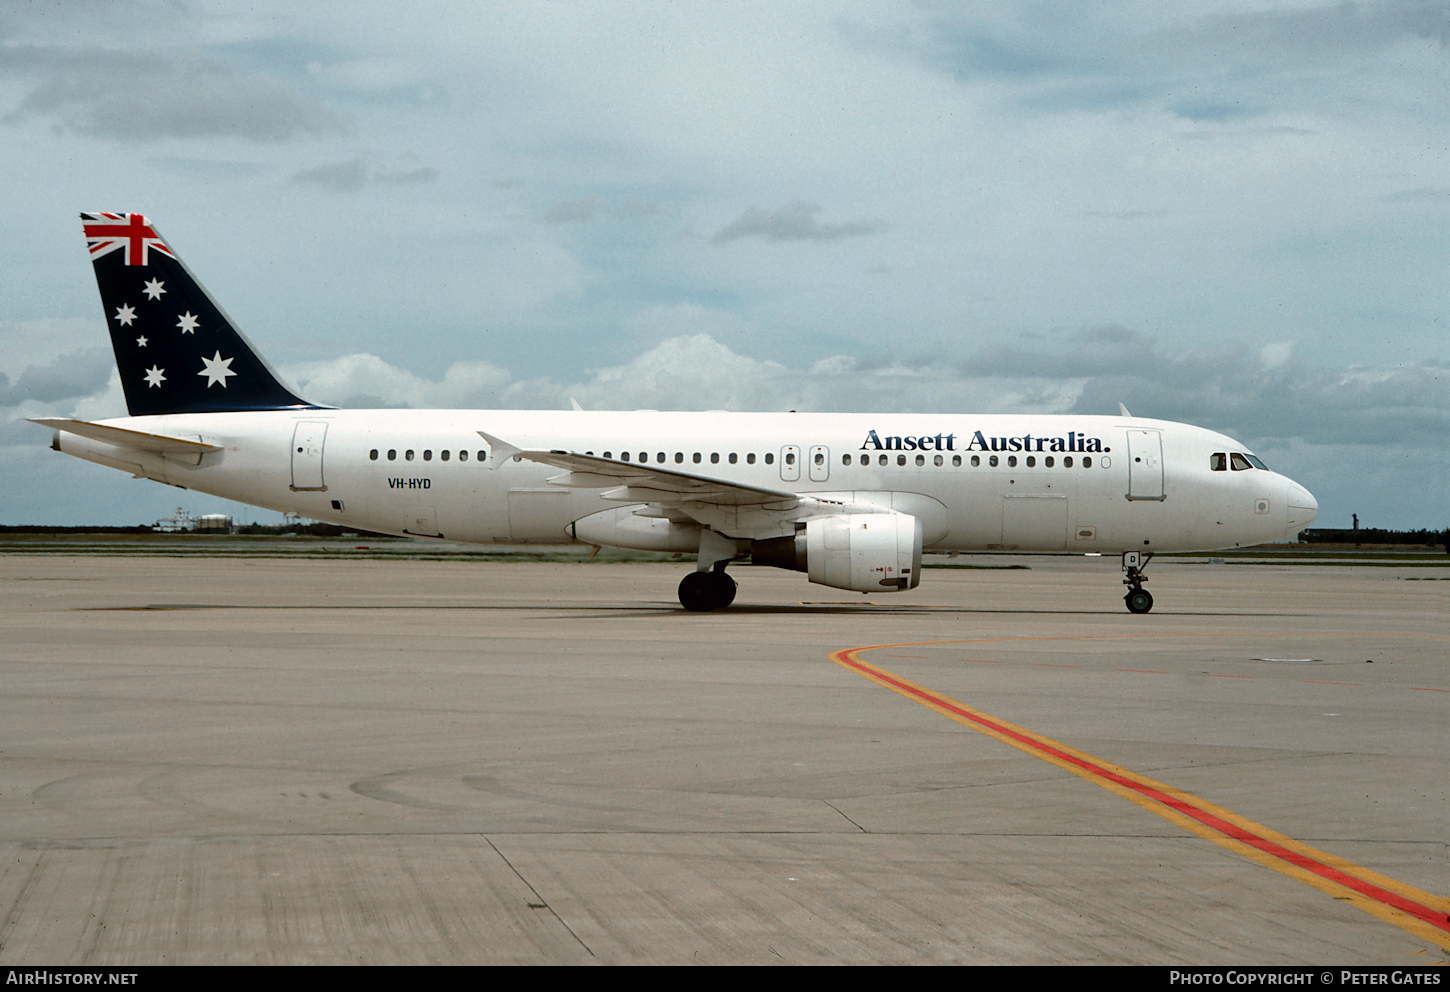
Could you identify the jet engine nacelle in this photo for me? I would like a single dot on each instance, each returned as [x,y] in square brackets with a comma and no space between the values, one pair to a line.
[863,552]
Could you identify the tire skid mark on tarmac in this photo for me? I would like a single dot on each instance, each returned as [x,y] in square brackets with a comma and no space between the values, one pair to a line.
[1425,915]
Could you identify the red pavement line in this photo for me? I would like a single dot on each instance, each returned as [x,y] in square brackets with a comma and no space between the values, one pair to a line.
[1182,803]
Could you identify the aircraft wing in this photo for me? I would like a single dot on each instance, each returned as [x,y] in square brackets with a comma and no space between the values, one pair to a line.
[643,483]
[123,438]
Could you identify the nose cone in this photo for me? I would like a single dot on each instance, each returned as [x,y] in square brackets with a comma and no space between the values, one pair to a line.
[1303,508]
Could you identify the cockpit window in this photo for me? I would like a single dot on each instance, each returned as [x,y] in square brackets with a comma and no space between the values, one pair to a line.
[1239,462]
[1255,461]
[1218,461]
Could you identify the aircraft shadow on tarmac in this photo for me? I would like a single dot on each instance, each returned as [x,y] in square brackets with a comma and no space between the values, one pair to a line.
[671,609]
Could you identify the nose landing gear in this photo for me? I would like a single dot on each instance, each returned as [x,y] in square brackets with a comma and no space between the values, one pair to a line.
[1138,599]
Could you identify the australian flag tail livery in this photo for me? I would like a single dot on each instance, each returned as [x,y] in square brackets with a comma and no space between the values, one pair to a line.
[176,349]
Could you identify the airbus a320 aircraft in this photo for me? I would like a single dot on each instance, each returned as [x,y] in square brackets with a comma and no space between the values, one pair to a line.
[850,499]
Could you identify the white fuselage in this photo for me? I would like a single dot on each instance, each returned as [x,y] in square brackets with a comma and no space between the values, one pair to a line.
[1093,484]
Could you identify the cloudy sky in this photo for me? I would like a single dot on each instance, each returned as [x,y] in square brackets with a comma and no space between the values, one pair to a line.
[1231,213]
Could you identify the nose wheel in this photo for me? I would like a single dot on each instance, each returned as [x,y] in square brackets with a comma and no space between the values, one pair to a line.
[1138,599]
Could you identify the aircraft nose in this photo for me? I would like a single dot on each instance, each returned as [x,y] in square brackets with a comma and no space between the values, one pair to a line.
[1303,507]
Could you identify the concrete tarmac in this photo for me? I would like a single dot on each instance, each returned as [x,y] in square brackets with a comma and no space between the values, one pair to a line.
[208,761]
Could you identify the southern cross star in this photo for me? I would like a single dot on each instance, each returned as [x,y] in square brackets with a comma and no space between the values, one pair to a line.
[216,371]
[155,288]
[154,376]
[187,323]
[125,314]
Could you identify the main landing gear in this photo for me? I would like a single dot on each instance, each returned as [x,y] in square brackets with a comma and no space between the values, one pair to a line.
[705,591]
[708,587]
[1138,599]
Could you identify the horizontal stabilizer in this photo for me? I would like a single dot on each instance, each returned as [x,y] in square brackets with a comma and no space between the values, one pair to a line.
[123,438]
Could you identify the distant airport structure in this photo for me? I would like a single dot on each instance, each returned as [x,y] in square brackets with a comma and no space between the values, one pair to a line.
[182,522]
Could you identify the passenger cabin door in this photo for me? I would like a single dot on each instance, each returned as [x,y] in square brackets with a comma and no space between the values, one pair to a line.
[1145,464]
[307,440]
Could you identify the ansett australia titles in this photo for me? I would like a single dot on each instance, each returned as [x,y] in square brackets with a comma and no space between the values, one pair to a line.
[1073,441]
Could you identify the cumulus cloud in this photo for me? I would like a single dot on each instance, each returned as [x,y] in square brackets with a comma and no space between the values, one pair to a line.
[55,367]
[688,373]
[661,321]
[67,377]
[684,372]
[793,222]
[363,381]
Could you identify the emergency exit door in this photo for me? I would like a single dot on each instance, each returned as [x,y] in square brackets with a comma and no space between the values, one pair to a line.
[819,463]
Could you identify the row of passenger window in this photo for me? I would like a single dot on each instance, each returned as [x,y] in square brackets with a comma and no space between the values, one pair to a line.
[976,460]
[697,458]
[409,454]
[789,458]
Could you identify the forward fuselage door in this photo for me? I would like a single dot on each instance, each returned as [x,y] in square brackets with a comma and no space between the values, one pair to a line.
[307,439]
[790,463]
[820,463]
[1145,464]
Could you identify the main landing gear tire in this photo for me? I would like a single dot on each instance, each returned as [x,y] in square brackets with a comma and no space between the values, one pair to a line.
[701,592]
[1139,601]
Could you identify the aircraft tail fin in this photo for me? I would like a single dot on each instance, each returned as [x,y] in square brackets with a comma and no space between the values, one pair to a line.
[176,349]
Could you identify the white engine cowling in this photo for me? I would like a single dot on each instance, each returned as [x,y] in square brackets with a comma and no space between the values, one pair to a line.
[863,552]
